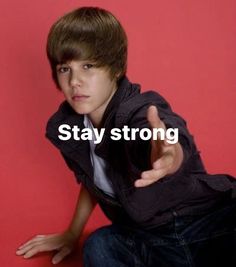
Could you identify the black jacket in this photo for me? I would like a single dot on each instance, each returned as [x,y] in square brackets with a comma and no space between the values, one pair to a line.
[190,190]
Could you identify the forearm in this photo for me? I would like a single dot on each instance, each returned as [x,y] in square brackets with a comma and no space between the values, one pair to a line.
[84,207]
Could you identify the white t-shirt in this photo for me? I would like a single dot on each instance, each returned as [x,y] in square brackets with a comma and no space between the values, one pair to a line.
[99,164]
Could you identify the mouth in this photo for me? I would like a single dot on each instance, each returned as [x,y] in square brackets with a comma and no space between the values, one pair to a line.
[79,97]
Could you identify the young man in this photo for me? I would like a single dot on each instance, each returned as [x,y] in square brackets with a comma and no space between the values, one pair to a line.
[165,209]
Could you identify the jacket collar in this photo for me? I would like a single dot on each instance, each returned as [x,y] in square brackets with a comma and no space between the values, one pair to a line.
[125,90]
[79,150]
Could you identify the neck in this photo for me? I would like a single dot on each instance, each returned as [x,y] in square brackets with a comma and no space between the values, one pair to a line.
[97,115]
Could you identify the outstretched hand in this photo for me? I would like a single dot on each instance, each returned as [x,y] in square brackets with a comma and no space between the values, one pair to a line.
[165,158]
[63,243]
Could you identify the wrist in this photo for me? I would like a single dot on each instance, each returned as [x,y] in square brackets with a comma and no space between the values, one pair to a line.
[73,234]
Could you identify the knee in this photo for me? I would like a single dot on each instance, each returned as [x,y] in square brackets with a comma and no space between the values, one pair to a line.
[98,245]
[96,240]
[108,246]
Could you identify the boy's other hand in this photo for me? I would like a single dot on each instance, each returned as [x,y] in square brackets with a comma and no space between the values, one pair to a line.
[165,158]
[63,243]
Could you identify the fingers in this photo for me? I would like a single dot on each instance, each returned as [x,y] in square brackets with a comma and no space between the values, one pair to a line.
[161,168]
[29,245]
[36,238]
[153,118]
[63,242]
[150,177]
[33,251]
[30,250]
[155,122]
[61,255]
[38,244]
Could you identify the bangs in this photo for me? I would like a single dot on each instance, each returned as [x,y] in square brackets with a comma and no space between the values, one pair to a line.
[68,50]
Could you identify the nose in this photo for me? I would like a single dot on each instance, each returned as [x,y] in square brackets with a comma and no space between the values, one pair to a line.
[75,80]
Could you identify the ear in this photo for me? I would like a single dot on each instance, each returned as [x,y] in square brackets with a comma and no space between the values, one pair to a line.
[118,75]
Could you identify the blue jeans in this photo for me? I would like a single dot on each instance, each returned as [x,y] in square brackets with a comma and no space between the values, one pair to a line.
[195,241]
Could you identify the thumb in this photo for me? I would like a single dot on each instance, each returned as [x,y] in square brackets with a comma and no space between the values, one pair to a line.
[61,255]
[153,117]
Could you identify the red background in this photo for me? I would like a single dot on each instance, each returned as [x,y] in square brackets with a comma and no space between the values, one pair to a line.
[184,49]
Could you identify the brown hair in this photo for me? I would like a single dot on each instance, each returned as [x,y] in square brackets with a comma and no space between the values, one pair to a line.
[88,33]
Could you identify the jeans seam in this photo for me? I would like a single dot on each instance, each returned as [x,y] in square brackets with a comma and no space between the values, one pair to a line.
[138,261]
[130,241]
[185,247]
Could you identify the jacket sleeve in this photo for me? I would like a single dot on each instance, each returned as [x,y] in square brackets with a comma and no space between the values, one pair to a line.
[143,203]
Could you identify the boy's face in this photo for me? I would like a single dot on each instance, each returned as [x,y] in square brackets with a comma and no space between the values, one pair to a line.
[87,89]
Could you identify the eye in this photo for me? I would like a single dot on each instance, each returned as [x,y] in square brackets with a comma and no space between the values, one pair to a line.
[87,66]
[63,69]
